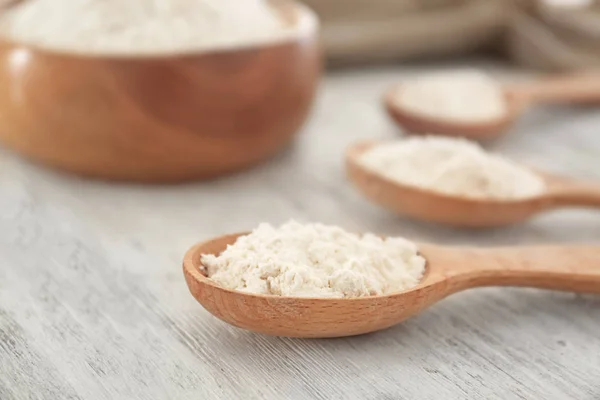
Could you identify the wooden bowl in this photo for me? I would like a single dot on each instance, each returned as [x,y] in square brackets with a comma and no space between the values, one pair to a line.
[162,117]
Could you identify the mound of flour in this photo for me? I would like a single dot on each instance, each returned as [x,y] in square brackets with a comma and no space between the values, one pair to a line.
[143,26]
[315,260]
[452,166]
[459,96]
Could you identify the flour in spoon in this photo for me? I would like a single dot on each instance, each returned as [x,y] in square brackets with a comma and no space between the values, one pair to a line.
[467,96]
[452,166]
[316,260]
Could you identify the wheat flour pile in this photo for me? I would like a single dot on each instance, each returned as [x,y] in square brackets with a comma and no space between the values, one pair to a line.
[143,26]
[316,260]
[467,96]
[452,166]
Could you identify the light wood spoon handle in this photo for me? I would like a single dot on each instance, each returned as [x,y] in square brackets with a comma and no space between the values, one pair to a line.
[578,194]
[569,268]
[581,88]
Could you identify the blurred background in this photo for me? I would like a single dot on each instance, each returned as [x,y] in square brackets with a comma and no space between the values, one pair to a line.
[541,34]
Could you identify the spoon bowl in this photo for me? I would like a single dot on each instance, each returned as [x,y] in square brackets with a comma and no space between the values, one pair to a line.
[448,271]
[419,124]
[292,316]
[429,205]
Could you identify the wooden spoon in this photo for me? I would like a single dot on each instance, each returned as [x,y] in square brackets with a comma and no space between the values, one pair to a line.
[583,88]
[453,210]
[449,270]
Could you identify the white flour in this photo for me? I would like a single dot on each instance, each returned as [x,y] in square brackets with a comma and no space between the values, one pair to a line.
[464,96]
[146,26]
[316,260]
[452,166]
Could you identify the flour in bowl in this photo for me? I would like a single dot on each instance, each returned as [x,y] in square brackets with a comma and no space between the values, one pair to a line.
[452,166]
[147,26]
[460,96]
[316,260]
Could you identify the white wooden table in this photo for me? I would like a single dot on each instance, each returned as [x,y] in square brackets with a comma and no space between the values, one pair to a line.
[93,304]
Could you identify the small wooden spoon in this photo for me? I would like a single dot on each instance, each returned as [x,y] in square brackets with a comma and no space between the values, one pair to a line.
[449,270]
[583,88]
[447,209]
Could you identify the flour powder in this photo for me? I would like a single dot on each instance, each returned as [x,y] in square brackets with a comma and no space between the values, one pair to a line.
[452,166]
[315,260]
[463,96]
[146,26]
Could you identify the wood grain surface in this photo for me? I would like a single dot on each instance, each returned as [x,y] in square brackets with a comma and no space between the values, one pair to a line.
[93,304]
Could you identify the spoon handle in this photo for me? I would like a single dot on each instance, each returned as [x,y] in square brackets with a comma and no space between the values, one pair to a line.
[569,268]
[580,88]
[581,194]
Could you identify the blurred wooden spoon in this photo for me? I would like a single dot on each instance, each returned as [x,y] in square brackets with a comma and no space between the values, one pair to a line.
[449,270]
[453,210]
[582,88]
